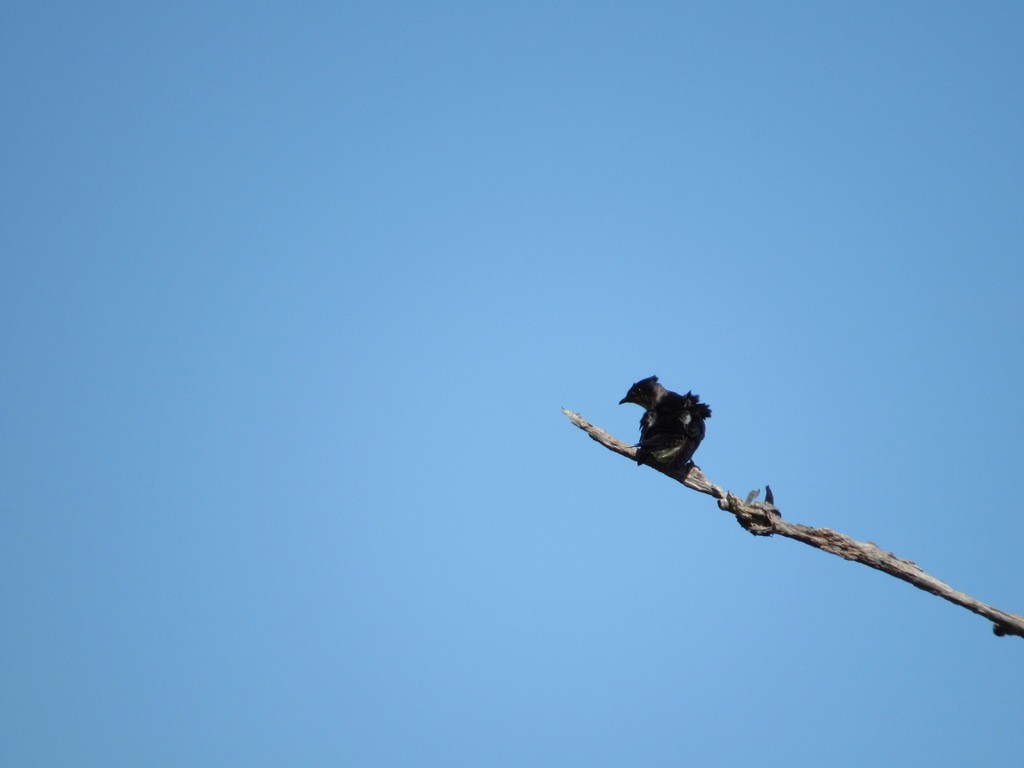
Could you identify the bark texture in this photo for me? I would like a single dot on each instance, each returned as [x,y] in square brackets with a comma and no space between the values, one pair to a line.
[762,518]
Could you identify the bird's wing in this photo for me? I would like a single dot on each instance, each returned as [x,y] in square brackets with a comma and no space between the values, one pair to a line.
[681,416]
[662,429]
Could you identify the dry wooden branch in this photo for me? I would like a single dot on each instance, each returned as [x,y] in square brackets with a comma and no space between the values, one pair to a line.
[762,518]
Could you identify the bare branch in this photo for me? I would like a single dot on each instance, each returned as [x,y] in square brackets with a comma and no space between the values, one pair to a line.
[762,518]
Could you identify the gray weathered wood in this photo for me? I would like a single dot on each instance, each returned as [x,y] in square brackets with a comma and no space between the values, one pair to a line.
[762,518]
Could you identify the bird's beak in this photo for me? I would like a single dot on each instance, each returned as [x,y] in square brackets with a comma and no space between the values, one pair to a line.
[623,400]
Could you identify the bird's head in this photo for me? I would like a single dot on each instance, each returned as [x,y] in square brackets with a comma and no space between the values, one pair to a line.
[645,393]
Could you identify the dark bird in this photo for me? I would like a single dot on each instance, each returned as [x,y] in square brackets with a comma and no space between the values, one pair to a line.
[672,425]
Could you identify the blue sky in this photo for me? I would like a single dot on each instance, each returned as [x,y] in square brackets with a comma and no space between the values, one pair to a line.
[291,296]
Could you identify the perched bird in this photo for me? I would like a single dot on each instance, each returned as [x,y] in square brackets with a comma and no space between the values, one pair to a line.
[672,425]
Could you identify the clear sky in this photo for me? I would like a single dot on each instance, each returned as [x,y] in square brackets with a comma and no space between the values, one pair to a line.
[291,295]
